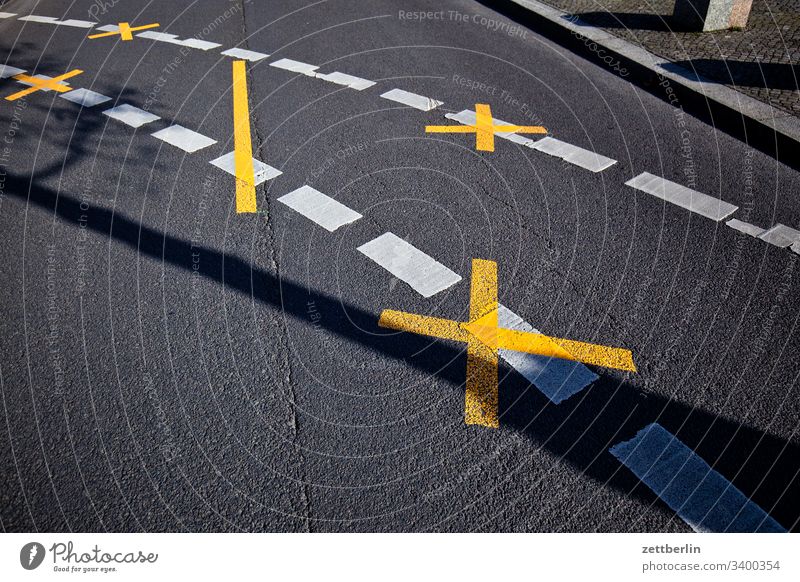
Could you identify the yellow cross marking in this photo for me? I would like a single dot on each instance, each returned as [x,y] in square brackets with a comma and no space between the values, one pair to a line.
[125,31]
[484,128]
[484,338]
[38,84]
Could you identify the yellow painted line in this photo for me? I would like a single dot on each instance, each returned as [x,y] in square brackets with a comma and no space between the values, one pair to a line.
[450,129]
[484,128]
[423,325]
[542,345]
[125,31]
[484,338]
[481,396]
[39,84]
[484,140]
[243,147]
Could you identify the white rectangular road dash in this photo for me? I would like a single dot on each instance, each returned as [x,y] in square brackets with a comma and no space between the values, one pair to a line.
[584,158]
[356,83]
[744,227]
[322,209]
[76,23]
[183,138]
[691,200]
[261,171]
[245,54]
[702,497]
[7,14]
[555,378]
[196,43]
[130,115]
[406,262]
[154,35]
[42,19]
[7,71]
[295,67]
[780,235]
[85,97]
[412,99]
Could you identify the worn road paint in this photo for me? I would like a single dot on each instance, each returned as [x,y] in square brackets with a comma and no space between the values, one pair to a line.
[484,339]
[43,84]
[702,497]
[243,147]
[691,200]
[124,30]
[484,128]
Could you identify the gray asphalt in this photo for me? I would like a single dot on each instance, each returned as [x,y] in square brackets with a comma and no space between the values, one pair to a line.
[169,365]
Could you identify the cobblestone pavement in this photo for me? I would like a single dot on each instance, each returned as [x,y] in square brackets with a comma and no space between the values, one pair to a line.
[760,61]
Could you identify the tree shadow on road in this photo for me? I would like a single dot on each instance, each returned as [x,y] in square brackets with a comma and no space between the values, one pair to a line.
[579,431]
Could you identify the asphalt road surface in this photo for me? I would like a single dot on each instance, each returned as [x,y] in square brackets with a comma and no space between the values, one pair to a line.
[169,364]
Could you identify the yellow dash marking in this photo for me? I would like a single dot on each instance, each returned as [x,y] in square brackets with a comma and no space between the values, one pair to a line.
[484,128]
[484,338]
[53,84]
[243,148]
[125,31]
[484,140]
[480,399]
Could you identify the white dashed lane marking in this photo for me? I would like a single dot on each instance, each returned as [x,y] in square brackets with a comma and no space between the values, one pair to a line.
[320,208]
[183,138]
[573,154]
[406,262]
[691,200]
[261,171]
[40,19]
[76,23]
[745,227]
[356,83]
[295,67]
[781,236]
[171,39]
[85,97]
[555,378]
[130,115]
[412,99]
[702,497]
[7,14]
[7,71]
[245,54]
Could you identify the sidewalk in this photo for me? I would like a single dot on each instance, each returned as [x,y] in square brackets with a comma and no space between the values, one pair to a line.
[760,61]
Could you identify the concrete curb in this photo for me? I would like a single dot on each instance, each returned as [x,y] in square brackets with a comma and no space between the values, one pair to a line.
[780,123]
